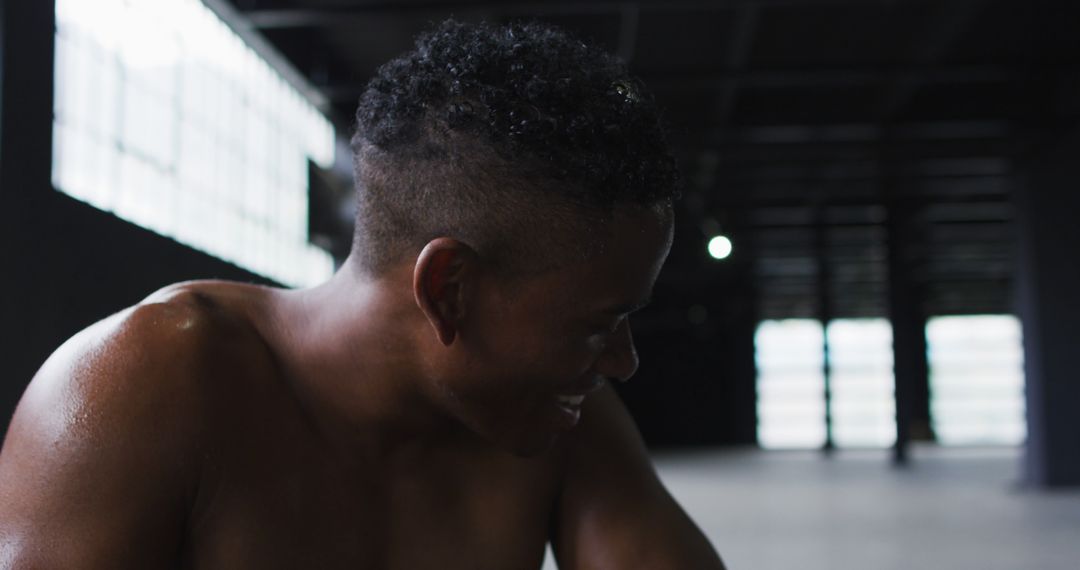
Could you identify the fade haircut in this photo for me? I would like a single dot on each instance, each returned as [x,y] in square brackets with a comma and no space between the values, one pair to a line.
[506,138]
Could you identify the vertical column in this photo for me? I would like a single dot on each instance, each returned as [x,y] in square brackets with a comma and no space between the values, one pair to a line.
[26,102]
[739,321]
[1047,201]
[906,313]
[825,315]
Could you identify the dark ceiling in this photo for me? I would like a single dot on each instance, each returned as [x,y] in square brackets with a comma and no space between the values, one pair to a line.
[808,130]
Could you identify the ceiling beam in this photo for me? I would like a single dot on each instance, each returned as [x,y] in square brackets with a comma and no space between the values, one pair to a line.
[346,15]
[739,49]
[834,77]
[904,151]
[860,133]
[945,168]
[732,195]
[979,225]
[944,28]
[793,78]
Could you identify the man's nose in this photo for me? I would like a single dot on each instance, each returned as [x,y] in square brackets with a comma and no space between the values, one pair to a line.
[619,361]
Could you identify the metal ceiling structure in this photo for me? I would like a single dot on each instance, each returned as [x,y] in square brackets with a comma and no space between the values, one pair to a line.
[815,132]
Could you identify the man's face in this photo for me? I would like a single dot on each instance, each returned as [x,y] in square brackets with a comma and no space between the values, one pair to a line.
[530,350]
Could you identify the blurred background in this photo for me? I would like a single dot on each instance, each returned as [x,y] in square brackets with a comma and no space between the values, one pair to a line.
[861,351]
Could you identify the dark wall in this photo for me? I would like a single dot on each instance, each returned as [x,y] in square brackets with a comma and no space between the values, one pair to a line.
[696,389]
[25,141]
[696,382]
[1048,208]
[78,265]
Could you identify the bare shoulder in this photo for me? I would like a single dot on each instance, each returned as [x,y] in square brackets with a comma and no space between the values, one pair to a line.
[614,511]
[132,362]
[606,444]
[101,461]
[138,374]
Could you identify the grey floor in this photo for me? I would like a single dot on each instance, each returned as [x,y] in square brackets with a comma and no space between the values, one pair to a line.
[951,509]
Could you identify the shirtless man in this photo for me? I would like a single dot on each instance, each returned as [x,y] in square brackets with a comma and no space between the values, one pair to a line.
[441,402]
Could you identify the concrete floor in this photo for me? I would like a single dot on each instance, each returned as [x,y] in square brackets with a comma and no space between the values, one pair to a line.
[951,509]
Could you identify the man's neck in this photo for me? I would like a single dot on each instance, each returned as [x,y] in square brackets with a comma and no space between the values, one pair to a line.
[347,349]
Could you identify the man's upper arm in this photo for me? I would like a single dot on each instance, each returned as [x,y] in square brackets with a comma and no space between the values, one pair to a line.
[614,513]
[96,468]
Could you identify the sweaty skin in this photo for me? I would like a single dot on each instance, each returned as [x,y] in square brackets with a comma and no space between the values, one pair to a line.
[421,419]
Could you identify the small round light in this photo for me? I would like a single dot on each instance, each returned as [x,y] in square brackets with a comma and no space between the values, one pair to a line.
[720,247]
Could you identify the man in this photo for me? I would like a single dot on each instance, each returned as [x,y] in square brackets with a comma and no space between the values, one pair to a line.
[441,402]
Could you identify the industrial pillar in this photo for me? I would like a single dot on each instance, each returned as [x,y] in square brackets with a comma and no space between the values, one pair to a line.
[908,318]
[26,107]
[1047,200]
[825,315]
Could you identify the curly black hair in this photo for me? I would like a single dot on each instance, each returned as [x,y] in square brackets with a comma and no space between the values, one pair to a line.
[446,131]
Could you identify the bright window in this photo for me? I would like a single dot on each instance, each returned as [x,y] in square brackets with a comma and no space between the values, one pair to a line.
[862,382]
[165,117]
[790,384]
[976,380]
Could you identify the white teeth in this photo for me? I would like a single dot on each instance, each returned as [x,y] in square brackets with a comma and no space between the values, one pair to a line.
[571,400]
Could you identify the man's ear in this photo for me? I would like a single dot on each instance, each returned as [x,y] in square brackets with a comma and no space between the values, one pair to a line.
[439,284]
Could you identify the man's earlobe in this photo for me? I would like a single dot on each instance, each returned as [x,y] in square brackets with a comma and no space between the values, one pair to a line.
[438,285]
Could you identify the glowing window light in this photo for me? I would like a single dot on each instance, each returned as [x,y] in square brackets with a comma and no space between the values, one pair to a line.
[165,117]
[720,247]
[790,384]
[862,382]
[976,380]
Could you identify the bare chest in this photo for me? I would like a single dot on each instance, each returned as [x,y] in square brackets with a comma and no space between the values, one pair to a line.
[487,514]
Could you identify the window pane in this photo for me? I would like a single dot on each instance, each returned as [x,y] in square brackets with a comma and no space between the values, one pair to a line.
[976,380]
[165,117]
[862,382]
[791,384]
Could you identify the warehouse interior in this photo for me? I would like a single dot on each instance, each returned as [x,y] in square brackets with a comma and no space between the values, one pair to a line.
[895,183]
